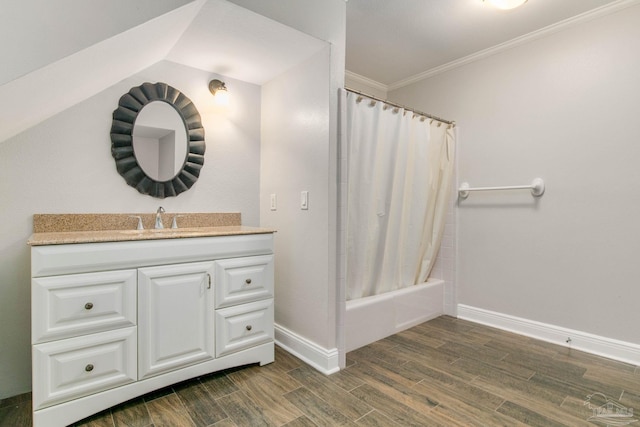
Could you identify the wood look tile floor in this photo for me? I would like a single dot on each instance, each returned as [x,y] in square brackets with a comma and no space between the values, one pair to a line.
[445,372]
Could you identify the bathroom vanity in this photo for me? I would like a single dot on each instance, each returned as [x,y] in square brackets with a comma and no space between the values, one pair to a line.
[117,314]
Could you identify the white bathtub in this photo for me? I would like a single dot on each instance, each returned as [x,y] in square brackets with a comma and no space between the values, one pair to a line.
[372,318]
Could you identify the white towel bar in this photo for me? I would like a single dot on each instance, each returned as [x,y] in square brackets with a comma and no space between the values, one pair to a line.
[536,187]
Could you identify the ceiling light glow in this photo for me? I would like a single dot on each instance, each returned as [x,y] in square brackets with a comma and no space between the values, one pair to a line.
[506,4]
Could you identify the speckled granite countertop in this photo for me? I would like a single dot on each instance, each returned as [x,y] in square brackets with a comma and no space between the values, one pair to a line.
[59,229]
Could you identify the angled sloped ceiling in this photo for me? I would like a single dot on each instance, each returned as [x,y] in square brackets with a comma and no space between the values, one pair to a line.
[211,35]
[40,94]
[36,33]
[227,39]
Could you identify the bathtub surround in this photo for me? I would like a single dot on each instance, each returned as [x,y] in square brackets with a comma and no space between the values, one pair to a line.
[376,317]
[561,106]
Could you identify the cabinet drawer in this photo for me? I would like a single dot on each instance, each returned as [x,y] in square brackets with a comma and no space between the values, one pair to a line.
[243,326]
[240,280]
[80,304]
[68,369]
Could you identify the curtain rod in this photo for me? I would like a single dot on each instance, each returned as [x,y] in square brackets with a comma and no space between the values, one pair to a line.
[419,113]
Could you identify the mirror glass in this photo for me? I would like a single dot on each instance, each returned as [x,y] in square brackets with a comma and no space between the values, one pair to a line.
[160,141]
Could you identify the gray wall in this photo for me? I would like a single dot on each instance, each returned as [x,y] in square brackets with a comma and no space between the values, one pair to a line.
[295,158]
[64,165]
[565,108]
[325,20]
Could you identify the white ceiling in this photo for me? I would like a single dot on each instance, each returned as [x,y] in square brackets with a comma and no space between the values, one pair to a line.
[227,39]
[395,41]
[36,33]
[388,41]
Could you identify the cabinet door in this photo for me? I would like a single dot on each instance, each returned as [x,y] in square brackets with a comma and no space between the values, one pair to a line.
[175,317]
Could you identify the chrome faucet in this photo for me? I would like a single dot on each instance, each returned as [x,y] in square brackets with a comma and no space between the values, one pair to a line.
[159,218]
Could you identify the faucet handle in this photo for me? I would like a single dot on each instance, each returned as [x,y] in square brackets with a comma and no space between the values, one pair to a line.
[140,226]
[174,223]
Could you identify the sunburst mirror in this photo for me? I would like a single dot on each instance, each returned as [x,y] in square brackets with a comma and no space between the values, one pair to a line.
[157,140]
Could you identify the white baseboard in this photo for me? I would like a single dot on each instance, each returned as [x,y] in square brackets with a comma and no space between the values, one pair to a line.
[324,360]
[583,341]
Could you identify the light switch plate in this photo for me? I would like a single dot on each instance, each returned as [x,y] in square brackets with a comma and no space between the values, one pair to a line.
[274,202]
[304,200]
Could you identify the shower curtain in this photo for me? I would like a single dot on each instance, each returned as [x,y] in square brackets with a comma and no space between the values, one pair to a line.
[399,173]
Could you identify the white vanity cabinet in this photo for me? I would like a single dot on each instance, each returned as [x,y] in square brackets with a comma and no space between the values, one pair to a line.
[115,320]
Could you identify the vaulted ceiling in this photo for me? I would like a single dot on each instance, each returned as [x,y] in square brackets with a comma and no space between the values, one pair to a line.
[57,54]
[36,33]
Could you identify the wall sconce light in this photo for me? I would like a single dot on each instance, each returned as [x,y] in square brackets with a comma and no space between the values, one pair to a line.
[219,91]
[505,4]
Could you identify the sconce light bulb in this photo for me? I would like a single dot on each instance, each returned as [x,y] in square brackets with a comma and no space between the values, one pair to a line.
[219,91]
[222,97]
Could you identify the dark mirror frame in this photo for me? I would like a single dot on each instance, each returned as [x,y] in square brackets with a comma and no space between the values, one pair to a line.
[124,118]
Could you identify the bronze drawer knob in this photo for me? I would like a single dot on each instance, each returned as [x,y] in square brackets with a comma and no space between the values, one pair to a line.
[88,306]
[249,327]
[248,281]
[89,367]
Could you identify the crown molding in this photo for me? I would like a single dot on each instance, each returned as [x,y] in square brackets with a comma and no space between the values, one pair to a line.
[543,32]
[350,75]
